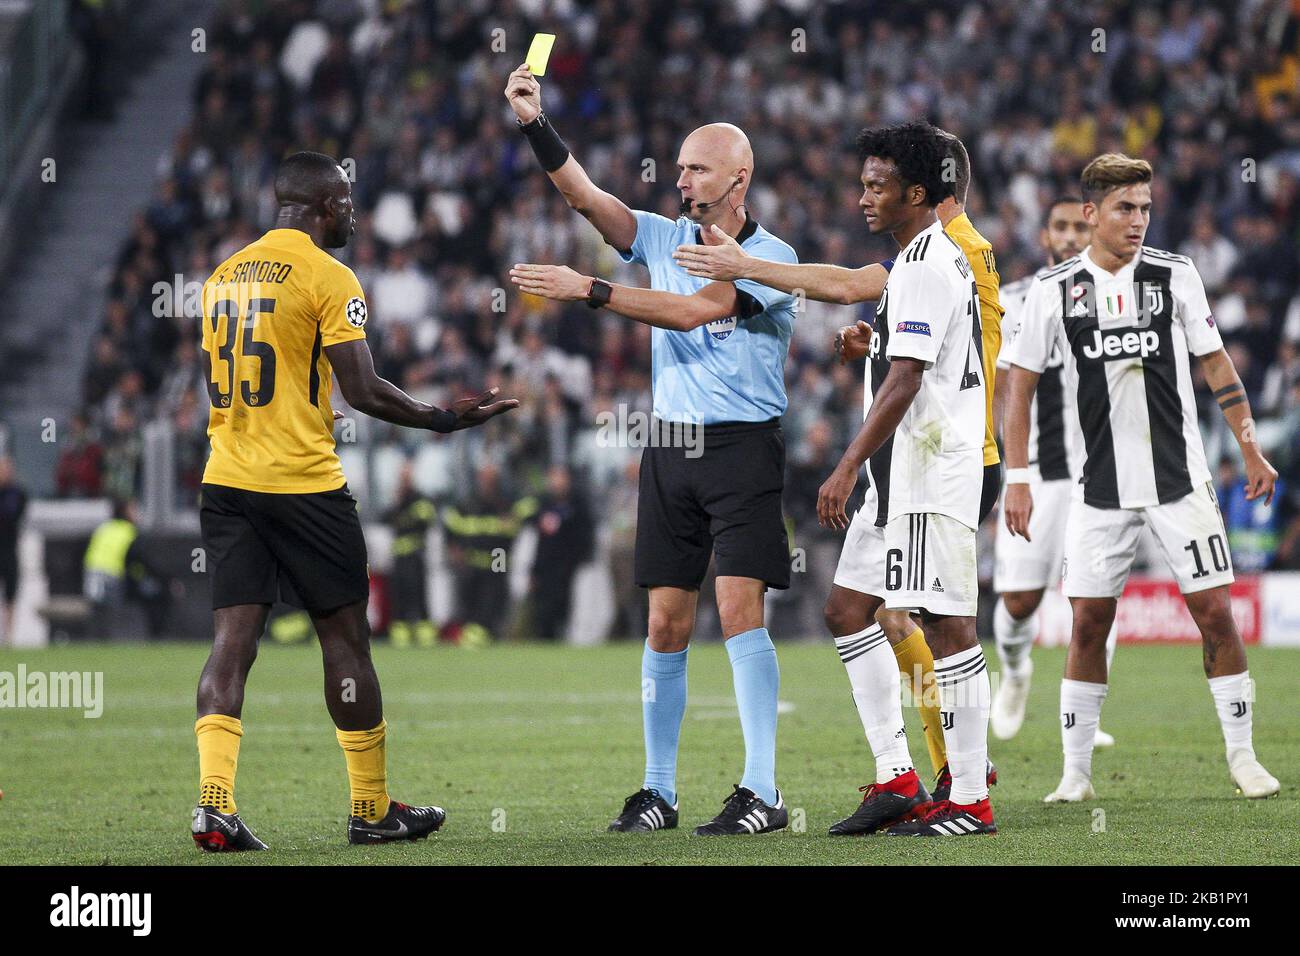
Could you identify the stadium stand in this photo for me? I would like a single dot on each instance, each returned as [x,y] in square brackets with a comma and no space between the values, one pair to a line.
[448,197]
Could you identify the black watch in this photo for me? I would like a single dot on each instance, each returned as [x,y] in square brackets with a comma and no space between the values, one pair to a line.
[534,124]
[599,294]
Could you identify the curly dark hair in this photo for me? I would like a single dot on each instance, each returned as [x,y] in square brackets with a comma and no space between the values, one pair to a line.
[917,150]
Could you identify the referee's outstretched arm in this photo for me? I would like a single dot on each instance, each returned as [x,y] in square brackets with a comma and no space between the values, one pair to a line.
[656,307]
[611,217]
[823,282]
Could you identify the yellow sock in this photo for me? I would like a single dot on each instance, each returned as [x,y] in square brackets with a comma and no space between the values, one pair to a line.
[218,737]
[915,661]
[367,771]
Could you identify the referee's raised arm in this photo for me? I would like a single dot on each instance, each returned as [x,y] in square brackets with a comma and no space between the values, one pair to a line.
[611,217]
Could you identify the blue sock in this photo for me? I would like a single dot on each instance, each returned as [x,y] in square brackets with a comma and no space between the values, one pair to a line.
[663,702]
[757,679]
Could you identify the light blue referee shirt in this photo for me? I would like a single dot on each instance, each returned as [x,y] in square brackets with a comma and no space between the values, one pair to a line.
[733,369]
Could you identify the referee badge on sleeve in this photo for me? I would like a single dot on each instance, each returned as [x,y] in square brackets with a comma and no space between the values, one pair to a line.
[356,312]
[721,329]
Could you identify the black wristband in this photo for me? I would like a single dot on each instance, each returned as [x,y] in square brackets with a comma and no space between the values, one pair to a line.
[550,149]
[599,294]
[443,420]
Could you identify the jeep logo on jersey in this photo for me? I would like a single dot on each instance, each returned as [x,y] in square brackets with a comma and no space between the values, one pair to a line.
[874,348]
[1115,345]
[720,329]
[356,312]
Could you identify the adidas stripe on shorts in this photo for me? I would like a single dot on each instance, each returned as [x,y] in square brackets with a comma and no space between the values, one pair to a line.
[930,565]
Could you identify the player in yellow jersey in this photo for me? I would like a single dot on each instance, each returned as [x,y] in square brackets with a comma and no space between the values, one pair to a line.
[845,286]
[979,253]
[280,318]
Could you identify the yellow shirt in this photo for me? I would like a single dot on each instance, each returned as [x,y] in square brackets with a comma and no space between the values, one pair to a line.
[1077,138]
[979,251]
[269,312]
[1285,81]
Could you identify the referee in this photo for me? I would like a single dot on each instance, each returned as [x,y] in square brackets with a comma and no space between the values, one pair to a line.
[718,357]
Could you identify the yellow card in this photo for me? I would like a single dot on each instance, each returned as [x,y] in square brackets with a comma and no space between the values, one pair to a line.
[539,53]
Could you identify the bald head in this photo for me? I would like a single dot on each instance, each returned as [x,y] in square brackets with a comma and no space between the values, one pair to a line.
[715,165]
[307,179]
[726,144]
[315,195]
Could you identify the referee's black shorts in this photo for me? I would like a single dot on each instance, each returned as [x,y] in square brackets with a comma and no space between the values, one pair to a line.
[725,501]
[304,549]
[992,488]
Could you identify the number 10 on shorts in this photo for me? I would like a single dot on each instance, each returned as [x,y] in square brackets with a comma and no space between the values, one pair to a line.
[1218,556]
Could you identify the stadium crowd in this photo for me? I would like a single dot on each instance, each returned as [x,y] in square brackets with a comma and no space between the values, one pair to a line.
[449,196]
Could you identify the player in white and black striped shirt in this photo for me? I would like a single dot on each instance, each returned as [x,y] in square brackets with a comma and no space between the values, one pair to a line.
[1125,317]
[1025,568]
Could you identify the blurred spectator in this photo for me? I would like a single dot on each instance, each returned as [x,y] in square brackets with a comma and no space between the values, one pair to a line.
[811,463]
[78,474]
[96,26]
[190,448]
[410,518]
[481,532]
[402,294]
[119,573]
[630,601]
[13,502]
[1254,527]
[1213,254]
[564,528]
[123,447]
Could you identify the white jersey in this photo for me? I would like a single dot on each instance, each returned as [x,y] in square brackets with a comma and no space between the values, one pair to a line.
[1125,339]
[1052,420]
[931,309]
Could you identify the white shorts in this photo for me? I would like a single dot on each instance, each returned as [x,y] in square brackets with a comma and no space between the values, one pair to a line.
[930,565]
[862,559]
[1036,564]
[1100,544]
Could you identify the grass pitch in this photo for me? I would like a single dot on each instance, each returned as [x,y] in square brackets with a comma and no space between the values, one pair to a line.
[532,749]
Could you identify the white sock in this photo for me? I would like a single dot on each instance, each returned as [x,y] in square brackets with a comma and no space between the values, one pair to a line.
[1234,698]
[963,683]
[873,676]
[1111,640]
[1080,713]
[1013,638]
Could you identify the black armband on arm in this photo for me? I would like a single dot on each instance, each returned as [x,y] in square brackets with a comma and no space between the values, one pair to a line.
[443,420]
[550,149]
[746,305]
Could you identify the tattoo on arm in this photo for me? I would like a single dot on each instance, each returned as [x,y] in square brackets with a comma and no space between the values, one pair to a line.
[1230,395]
